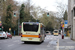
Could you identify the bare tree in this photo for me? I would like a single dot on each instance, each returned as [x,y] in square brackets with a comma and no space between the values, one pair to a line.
[61,9]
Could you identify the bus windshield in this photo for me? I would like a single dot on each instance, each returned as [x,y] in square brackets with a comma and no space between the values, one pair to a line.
[56,31]
[29,27]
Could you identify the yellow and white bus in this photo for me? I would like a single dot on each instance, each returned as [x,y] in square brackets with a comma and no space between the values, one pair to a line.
[32,32]
[56,32]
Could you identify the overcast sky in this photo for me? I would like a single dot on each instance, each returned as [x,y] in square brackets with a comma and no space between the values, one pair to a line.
[49,5]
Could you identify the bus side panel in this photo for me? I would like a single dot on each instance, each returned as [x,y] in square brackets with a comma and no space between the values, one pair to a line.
[42,32]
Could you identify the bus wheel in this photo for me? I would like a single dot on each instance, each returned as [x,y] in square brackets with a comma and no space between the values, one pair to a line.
[25,42]
[42,41]
[39,42]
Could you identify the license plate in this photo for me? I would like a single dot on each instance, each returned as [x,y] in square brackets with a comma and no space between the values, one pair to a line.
[30,38]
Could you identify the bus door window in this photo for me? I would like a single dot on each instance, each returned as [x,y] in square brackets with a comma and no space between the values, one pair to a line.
[42,30]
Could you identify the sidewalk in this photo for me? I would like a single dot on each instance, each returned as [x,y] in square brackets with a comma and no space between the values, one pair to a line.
[66,44]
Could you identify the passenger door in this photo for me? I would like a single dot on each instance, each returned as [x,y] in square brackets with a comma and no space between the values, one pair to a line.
[42,33]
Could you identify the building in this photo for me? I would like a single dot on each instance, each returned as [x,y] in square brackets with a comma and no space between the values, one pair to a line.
[71,17]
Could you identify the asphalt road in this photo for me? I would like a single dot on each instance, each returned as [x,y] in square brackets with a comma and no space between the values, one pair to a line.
[15,43]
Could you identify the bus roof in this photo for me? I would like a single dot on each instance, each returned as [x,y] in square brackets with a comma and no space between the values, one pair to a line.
[30,22]
[56,30]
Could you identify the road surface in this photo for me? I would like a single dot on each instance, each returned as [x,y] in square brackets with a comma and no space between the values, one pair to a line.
[15,43]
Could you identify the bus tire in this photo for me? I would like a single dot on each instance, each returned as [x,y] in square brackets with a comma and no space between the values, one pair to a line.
[39,42]
[25,42]
[42,41]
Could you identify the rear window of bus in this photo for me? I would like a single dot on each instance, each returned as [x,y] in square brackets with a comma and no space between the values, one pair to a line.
[55,31]
[30,27]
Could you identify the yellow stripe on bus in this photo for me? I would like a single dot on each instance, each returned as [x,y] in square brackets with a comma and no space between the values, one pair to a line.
[30,36]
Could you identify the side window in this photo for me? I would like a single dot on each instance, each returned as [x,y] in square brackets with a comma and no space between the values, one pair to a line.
[42,28]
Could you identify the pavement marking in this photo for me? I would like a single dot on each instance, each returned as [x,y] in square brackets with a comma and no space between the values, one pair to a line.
[48,44]
[57,47]
[70,42]
[10,45]
[53,42]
